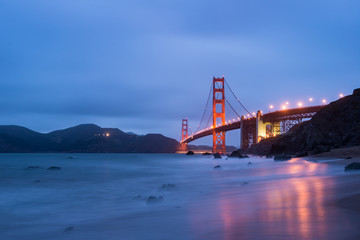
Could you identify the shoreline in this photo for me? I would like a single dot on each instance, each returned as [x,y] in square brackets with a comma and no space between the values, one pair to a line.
[342,157]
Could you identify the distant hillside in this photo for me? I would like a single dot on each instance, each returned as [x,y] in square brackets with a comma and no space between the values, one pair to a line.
[85,138]
[336,125]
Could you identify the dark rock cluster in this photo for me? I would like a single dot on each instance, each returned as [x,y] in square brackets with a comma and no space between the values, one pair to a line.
[206,154]
[34,167]
[190,153]
[237,154]
[54,168]
[217,155]
[282,157]
[352,166]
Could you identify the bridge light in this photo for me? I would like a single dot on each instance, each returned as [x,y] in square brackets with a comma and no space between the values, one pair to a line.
[287,103]
[341,95]
[271,106]
[238,118]
[283,107]
[311,99]
[253,113]
[234,120]
[248,115]
[324,101]
[300,104]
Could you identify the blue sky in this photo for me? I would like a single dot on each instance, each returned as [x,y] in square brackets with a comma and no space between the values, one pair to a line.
[142,66]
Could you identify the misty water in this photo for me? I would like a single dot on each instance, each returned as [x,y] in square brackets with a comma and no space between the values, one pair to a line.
[106,196]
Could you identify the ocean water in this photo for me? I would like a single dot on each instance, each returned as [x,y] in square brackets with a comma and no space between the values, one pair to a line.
[172,196]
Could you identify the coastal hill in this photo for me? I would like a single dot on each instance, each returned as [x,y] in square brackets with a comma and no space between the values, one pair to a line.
[85,138]
[336,125]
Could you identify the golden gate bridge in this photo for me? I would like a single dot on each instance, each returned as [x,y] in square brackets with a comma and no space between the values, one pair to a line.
[253,126]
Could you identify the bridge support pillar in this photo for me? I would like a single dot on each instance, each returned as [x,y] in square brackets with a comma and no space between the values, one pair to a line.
[260,128]
[184,133]
[248,132]
[242,134]
[218,114]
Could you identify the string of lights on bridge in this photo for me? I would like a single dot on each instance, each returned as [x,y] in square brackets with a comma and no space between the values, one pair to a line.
[286,105]
[283,107]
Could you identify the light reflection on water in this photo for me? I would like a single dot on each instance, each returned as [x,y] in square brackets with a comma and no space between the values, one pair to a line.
[292,207]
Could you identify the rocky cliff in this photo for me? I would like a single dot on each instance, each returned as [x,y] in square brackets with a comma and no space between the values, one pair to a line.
[336,125]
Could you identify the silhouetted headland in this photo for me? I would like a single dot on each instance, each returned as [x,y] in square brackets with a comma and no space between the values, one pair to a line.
[85,138]
[335,126]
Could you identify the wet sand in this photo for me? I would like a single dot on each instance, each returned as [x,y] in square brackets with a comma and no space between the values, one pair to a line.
[343,157]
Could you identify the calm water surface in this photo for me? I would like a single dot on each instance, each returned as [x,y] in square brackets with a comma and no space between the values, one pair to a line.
[106,196]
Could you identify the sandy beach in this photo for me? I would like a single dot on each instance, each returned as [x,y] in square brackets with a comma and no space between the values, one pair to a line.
[339,156]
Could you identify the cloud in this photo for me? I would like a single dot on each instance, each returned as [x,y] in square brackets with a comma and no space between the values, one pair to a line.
[144,65]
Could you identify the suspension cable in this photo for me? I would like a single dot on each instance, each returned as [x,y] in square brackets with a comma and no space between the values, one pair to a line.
[209,119]
[207,103]
[237,99]
[232,108]
[189,129]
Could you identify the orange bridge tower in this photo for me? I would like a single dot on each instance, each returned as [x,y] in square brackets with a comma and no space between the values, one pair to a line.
[184,133]
[218,114]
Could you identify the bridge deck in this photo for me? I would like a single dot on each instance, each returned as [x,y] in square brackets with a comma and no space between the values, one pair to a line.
[277,116]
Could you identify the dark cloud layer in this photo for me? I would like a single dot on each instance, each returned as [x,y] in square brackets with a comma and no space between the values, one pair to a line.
[143,65]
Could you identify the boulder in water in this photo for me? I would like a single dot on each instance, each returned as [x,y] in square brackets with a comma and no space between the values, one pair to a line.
[217,166]
[237,153]
[206,154]
[352,166]
[282,157]
[189,153]
[153,199]
[217,155]
[54,168]
[34,167]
